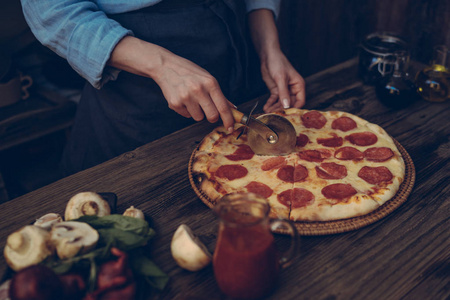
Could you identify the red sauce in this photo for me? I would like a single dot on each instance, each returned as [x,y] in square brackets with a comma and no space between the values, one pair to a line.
[245,261]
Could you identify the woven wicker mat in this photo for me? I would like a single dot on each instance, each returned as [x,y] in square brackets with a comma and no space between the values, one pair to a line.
[339,226]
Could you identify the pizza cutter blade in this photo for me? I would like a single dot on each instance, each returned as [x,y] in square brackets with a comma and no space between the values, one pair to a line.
[269,134]
[287,137]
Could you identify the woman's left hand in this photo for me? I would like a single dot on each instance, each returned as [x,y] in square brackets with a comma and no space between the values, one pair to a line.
[286,85]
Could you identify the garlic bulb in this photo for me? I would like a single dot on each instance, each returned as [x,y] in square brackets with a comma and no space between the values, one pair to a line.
[27,246]
[187,251]
[86,204]
[134,212]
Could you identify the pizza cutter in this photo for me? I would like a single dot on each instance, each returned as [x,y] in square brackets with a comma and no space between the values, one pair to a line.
[269,134]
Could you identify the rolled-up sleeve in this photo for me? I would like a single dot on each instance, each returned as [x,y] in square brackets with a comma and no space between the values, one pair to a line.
[79,32]
[273,5]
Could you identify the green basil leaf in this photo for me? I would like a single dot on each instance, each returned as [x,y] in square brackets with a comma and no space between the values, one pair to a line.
[123,232]
[122,239]
[142,265]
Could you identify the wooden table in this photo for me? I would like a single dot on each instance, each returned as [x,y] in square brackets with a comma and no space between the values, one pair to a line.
[403,256]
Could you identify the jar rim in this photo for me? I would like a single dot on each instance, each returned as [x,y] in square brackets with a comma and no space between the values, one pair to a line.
[383,43]
[232,204]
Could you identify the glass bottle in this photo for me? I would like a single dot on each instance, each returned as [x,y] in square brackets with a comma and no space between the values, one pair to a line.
[397,91]
[433,82]
[246,261]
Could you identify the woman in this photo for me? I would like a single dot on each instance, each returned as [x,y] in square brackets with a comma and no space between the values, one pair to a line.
[191,58]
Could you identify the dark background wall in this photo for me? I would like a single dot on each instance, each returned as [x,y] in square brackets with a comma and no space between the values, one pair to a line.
[317,34]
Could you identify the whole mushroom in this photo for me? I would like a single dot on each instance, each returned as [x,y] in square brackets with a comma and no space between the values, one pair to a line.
[134,212]
[72,238]
[86,204]
[28,246]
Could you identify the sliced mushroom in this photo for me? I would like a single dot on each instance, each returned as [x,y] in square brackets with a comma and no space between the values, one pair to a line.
[134,212]
[86,204]
[187,250]
[72,238]
[47,221]
[28,246]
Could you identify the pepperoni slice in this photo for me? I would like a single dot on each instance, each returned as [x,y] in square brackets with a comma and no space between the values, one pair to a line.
[314,155]
[273,163]
[334,141]
[291,174]
[338,191]
[365,138]
[243,152]
[375,175]
[348,153]
[259,189]
[296,198]
[300,173]
[314,119]
[231,172]
[331,171]
[285,198]
[302,140]
[286,173]
[343,124]
[301,198]
[378,154]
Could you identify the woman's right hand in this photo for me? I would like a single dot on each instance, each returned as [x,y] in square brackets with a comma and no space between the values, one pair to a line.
[189,89]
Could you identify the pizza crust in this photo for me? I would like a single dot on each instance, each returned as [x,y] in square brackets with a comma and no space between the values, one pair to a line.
[358,205]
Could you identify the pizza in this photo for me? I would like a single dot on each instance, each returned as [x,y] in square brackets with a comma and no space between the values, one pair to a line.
[343,166]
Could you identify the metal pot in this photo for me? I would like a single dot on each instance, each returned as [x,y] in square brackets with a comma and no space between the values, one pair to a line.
[376,55]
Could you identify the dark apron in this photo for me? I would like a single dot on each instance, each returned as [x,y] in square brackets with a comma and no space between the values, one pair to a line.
[131,111]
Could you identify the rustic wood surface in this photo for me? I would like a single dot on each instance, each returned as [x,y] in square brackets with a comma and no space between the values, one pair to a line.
[403,256]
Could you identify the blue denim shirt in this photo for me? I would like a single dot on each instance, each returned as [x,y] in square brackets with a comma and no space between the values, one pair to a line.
[81,32]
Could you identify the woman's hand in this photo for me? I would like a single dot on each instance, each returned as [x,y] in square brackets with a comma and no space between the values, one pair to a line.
[286,85]
[189,89]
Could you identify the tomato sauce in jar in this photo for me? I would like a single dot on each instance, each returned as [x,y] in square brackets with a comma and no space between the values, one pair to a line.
[245,262]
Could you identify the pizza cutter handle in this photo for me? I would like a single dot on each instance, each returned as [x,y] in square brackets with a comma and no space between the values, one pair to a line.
[287,227]
[239,117]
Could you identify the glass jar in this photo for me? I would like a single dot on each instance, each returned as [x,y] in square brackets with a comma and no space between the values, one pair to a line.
[433,82]
[246,261]
[375,55]
[398,90]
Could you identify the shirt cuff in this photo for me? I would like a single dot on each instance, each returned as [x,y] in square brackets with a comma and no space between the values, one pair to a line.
[273,5]
[110,73]
[95,69]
